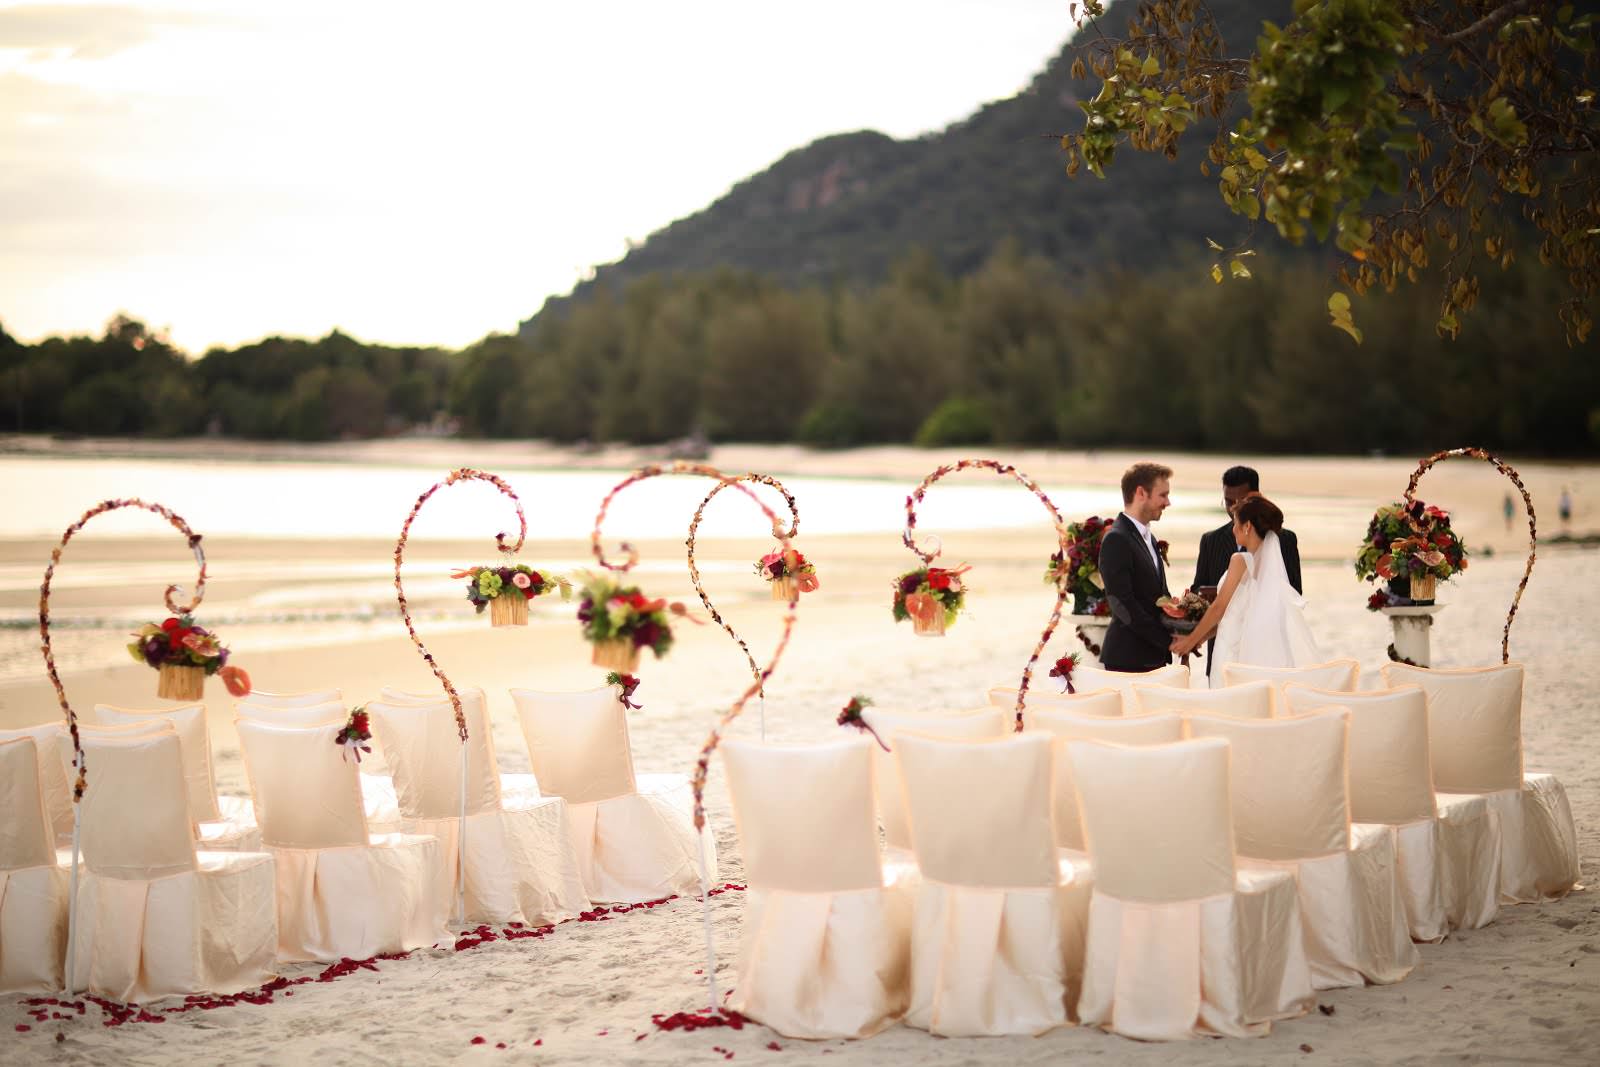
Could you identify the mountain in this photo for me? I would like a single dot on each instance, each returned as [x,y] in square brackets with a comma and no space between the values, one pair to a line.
[845,207]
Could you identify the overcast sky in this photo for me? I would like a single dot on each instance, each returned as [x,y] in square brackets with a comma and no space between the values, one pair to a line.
[425,173]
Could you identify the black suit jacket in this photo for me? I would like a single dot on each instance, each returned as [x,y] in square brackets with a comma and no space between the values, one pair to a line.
[1136,639]
[1217,548]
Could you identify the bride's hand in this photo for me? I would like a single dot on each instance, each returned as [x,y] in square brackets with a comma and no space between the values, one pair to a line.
[1182,646]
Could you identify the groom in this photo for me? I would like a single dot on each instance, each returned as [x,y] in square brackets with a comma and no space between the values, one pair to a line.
[1135,577]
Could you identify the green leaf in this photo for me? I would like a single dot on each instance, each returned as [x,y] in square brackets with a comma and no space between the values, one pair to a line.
[1339,304]
[1217,248]
[1349,327]
[1151,68]
[1239,269]
[1216,273]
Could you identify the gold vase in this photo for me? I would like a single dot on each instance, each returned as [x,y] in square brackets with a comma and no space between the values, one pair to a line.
[181,683]
[933,627]
[509,609]
[618,654]
[1422,588]
[785,589]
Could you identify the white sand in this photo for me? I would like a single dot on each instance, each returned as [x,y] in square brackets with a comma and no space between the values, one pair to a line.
[1526,989]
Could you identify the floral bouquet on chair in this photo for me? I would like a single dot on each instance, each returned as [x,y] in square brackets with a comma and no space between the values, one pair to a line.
[930,597]
[619,621]
[185,653]
[355,735]
[1410,558]
[789,573]
[505,591]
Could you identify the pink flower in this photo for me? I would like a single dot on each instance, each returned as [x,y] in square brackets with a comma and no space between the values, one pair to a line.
[520,580]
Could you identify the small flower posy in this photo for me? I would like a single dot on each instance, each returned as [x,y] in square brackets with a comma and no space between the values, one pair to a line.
[778,566]
[609,611]
[355,735]
[1063,670]
[851,716]
[930,597]
[487,583]
[179,641]
[628,683]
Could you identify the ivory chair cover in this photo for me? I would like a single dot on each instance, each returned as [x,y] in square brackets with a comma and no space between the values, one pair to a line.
[1156,729]
[1448,848]
[997,935]
[283,701]
[1105,702]
[55,785]
[1339,674]
[1250,700]
[825,943]
[1097,679]
[34,880]
[888,786]
[377,790]
[1475,739]
[520,866]
[633,834]
[1179,942]
[214,829]
[341,891]
[1291,811]
[155,917]
[518,789]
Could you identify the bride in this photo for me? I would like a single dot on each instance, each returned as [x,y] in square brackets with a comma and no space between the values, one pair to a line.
[1258,617]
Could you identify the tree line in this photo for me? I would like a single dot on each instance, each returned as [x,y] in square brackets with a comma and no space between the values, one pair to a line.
[1011,354]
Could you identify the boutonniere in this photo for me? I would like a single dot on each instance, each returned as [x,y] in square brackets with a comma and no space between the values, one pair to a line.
[1161,550]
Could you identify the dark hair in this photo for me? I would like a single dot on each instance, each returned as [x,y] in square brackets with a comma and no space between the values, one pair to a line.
[1260,513]
[1245,476]
[1142,475]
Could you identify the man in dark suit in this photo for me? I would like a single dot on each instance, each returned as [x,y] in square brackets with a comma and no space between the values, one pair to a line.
[1134,576]
[1218,546]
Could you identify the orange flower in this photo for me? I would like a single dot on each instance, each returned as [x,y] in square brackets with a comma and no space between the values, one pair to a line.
[237,681]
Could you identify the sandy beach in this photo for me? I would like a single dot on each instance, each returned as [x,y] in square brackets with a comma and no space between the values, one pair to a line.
[1523,990]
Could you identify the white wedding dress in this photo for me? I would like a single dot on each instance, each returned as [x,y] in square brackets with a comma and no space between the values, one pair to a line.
[1265,623]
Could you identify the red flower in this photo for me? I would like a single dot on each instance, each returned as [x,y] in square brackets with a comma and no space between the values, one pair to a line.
[171,625]
[938,579]
[536,578]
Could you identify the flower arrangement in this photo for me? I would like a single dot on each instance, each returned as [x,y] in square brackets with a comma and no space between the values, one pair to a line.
[1063,670]
[355,735]
[1078,565]
[930,597]
[1183,613]
[185,653]
[628,683]
[619,620]
[1410,558]
[851,716]
[789,573]
[505,591]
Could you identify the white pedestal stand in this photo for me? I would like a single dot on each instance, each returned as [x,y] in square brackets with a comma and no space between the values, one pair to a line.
[1411,626]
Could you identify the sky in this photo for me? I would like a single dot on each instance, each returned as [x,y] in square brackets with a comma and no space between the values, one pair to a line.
[427,173]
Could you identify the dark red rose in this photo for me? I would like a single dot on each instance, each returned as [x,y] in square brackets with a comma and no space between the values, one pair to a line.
[938,579]
[910,582]
[648,633]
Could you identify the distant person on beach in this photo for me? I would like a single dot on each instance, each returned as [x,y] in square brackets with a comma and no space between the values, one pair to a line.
[1218,546]
[1564,508]
[1510,509]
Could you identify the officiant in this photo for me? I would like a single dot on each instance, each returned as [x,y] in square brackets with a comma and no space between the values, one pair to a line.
[1217,546]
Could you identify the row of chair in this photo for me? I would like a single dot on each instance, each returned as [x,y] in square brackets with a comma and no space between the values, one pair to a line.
[185,892]
[1136,872]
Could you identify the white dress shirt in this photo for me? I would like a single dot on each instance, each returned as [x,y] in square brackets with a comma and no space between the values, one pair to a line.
[1149,542]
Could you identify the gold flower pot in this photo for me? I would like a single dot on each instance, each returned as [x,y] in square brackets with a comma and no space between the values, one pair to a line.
[509,609]
[181,683]
[785,589]
[933,627]
[1422,588]
[618,654]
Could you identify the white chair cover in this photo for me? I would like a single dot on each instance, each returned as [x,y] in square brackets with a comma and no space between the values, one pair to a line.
[517,790]
[55,784]
[1339,674]
[33,884]
[215,830]
[1291,811]
[1087,679]
[633,834]
[998,931]
[155,918]
[340,890]
[1251,700]
[889,789]
[520,866]
[1107,702]
[1475,739]
[824,947]
[1179,942]
[270,701]
[377,790]
[1449,855]
[1123,730]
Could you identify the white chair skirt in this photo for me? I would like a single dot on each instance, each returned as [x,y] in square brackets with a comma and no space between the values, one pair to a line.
[1538,841]
[520,864]
[33,926]
[1470,835]
[824,965]
[641,846]
[1228,965]
[360,901]
[210,930]
[1353,911]
[1424,876]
